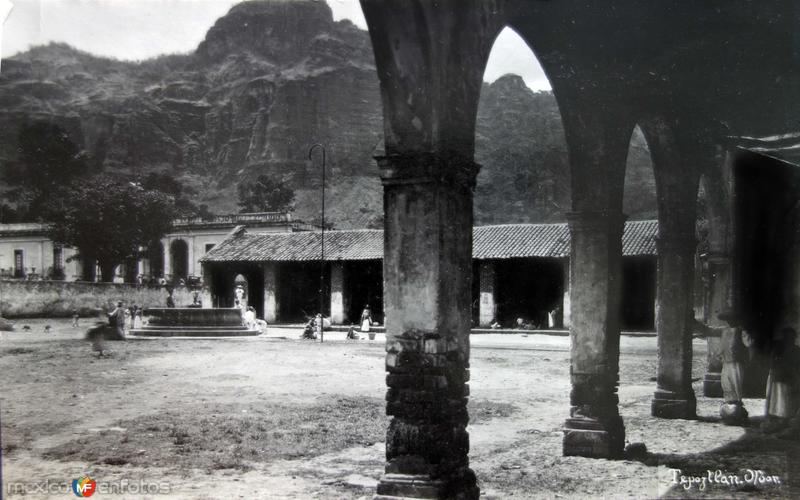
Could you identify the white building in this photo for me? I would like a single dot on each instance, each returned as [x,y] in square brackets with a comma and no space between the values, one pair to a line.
[27,253]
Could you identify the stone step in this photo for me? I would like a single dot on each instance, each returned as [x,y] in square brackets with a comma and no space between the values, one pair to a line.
[194,332]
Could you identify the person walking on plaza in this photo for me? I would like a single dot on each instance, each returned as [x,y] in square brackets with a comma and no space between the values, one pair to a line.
[116,319]
[734,353]
[75,318]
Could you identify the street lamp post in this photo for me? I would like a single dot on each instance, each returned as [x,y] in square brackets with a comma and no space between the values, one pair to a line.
[321,246]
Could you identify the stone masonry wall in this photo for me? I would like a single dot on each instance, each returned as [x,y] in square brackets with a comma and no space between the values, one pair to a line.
[59,298]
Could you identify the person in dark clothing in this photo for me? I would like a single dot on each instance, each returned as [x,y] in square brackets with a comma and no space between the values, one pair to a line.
[116,319]
[734,353]
[782,403]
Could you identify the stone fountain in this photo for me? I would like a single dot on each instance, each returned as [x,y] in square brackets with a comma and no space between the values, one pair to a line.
[193,322]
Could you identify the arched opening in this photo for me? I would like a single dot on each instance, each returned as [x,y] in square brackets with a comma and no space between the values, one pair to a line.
[88,269]
[519,140]
[179,255]
[131,270]
[639,270]
[238,282]
[524,178]
[155,258]
[240,289]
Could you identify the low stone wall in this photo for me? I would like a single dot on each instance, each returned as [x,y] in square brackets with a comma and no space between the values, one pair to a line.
[19,299]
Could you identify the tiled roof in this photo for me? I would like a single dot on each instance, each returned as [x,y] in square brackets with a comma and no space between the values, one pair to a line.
[640,237]
[520,240]
[489,242]
[300,246]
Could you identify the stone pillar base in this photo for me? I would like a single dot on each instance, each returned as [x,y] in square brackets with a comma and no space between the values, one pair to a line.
[594,438]
[669,404]
[397,486]
[712,385]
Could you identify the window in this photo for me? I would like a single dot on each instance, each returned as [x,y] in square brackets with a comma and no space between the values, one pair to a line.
[209,246]
[19,264]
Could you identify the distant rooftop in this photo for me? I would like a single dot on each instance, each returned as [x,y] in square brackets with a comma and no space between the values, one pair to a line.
[489,242]
[23,229]
[254,220]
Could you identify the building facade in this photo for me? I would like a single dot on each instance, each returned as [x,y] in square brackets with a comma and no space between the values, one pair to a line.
[520,272]
[26,252]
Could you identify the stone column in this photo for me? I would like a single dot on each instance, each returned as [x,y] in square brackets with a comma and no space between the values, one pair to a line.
[206,298]
[270,292]
[679,155]
[191,264]
[567,307]
[595,428]
[717,181]
[428,273]
[719,299]
[167,258]
[337,293]
[487,307]
[674,396]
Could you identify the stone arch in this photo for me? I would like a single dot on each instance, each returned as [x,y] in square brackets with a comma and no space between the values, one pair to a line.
[179,258]
[530,185]
[540,188]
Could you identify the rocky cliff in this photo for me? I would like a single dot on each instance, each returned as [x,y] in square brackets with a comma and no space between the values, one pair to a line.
[270,79]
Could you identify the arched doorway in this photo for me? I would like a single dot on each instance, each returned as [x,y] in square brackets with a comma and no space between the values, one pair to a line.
[240,292]
[639,273]
[179,255]
[155,257]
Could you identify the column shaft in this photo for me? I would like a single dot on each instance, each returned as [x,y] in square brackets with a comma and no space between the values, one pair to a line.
[337,293]
[719,284]
[567,307]
[487,306]
[674,396]
[206,297]
[167,259]
[270,292]
[427,270]
[595,428]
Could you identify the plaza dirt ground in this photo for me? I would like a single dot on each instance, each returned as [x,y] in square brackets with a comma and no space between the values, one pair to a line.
[272,417]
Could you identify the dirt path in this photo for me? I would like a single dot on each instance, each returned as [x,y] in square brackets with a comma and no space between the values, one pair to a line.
[59,402]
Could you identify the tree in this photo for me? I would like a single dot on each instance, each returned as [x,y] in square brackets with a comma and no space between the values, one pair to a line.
[110,221]
[265,195]
[184,206]
[48,161]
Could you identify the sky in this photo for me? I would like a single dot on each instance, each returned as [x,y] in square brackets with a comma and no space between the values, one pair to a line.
[140,29]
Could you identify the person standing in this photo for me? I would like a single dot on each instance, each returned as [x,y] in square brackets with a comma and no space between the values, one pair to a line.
[319,326]
[250,318]
[366,319]
[782,384]
[734,353]
[116,319]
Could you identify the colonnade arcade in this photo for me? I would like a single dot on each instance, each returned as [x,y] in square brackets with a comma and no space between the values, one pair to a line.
[611,66]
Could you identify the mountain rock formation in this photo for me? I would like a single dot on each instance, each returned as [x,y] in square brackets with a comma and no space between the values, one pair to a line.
[270,79]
